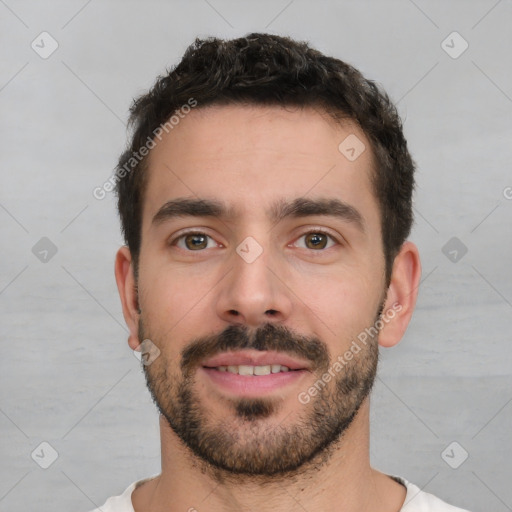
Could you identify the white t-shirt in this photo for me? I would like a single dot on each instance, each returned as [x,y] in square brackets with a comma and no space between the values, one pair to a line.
[415,500]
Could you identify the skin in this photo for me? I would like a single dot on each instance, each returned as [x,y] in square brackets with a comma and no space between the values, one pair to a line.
[249,157]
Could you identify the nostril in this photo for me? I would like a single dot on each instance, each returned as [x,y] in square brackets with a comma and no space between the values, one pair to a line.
[271,312]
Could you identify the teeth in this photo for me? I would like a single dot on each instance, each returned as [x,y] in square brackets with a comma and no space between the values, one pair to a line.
[260,370]
[244,369]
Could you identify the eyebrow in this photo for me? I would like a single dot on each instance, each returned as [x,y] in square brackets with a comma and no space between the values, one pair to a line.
[300,207]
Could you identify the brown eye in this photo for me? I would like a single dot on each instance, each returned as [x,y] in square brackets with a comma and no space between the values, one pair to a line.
[194,241]
[316,240]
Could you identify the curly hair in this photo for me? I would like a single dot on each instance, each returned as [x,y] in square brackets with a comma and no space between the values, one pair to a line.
[271,70]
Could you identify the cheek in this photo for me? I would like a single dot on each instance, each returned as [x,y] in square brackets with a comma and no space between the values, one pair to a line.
[177,304]
[341,306]
[174,291]
[166,301]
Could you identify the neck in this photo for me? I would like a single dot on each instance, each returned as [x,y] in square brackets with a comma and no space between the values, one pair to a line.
[343,480]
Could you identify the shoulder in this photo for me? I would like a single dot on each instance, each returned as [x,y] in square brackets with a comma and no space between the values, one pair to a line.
[122,502]
[417,500]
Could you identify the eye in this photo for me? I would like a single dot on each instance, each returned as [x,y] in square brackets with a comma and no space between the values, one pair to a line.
[194,241]
[317,240]
[197,241]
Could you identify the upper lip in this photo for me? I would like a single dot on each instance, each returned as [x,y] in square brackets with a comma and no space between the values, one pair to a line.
[255,358]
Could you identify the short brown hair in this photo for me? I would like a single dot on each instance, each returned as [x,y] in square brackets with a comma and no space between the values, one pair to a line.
[264,69]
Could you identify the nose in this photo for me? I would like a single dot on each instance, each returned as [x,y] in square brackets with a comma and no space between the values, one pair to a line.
[254,292]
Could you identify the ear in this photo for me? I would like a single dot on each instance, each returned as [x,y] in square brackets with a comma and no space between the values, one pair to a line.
[128,294]
[402,294]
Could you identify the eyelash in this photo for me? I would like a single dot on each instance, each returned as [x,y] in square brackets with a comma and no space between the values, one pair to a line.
[312,231]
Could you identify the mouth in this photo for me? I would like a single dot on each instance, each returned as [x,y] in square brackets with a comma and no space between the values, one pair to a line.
[244,369]
[253,362]
[252,373]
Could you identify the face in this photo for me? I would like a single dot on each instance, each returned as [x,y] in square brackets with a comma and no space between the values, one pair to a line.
[261,262]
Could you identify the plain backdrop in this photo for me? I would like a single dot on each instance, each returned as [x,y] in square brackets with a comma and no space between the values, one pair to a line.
[68,377]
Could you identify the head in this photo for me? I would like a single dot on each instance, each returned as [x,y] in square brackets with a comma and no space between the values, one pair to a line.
[250,228]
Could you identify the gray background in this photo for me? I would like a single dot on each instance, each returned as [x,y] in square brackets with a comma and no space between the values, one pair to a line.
[67,375]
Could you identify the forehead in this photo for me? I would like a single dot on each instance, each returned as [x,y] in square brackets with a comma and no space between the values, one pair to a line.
[253,156]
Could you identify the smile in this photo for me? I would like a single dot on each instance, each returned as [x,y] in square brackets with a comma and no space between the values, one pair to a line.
[244,369]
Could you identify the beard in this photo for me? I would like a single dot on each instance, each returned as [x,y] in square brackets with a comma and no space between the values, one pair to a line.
[249,443]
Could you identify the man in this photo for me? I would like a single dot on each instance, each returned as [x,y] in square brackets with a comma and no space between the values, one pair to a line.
[265,200]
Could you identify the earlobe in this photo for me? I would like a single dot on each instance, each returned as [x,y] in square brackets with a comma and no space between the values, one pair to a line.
[402,294]
[127,292]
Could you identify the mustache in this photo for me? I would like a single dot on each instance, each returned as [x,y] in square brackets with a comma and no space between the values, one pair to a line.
[266,338]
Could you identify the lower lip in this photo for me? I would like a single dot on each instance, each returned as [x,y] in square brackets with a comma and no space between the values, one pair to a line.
[253,385]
